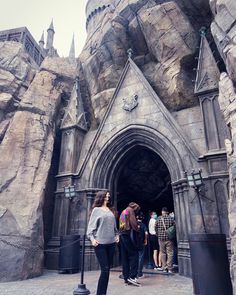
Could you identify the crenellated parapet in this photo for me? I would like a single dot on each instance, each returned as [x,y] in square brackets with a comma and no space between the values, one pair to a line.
[95,7]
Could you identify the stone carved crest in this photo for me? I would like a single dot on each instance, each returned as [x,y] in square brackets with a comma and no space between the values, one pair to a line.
[130,103]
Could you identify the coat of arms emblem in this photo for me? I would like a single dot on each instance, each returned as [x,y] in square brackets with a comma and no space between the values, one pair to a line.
[130,103]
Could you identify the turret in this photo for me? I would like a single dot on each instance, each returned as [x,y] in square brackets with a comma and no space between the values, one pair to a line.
[95,10]
[41,41]
[50,36]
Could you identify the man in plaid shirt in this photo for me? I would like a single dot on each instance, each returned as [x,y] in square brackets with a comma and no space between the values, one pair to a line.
[166,246]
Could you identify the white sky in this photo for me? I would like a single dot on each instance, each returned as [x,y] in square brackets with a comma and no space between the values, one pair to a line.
[68,17]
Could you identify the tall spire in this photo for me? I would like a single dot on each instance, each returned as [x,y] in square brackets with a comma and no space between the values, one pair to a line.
[75,114]
[208,73]
[41,41]
[51,27]
[50,36]
[72,49]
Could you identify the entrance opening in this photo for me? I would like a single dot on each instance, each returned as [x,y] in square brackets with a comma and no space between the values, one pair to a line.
[144,178]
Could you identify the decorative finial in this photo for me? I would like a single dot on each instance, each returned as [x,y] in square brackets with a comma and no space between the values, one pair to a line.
[202,31]
[130,52]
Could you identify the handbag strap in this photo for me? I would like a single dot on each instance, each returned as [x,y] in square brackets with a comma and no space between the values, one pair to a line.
[163,223]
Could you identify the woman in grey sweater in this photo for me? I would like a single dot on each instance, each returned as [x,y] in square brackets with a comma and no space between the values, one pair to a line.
[103,234]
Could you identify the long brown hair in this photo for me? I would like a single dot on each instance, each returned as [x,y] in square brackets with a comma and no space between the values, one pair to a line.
[99,199]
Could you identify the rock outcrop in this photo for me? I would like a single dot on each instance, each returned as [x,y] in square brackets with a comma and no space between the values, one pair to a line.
[16,74]
[227,99]
[164,38]
[26,151]
[224,32]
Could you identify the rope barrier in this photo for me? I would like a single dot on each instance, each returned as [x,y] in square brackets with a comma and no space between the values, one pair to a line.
[36,248]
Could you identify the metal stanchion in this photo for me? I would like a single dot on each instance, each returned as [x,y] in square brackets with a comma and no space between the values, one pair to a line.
[82,290]
[149,263]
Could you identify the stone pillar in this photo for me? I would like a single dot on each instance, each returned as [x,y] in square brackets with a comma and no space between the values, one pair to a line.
[91,262]
[181,196]
[73,128]
[90,198]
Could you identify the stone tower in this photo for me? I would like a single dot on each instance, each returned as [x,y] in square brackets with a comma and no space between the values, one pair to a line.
[50,36]
[95,11]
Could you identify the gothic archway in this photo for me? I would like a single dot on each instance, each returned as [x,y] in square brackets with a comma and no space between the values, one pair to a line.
[109,160]
[118,146]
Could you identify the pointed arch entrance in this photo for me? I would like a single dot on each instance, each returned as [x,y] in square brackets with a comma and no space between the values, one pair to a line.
[135,144]
[144,178]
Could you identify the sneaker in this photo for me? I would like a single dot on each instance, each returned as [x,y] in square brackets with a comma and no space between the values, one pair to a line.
[170,271]
[141,276]
[134,282]
[159,268]
[165,270]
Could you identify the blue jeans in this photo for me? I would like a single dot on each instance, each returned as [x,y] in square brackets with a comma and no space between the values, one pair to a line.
[140,261]
[104,253]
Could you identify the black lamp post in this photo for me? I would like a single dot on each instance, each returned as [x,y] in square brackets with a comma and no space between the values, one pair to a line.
[82,290]
[196,182]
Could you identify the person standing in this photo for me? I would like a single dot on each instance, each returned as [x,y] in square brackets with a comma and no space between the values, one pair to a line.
[166,245]
[143,243]
[129,231]
[103,234]
[154,239]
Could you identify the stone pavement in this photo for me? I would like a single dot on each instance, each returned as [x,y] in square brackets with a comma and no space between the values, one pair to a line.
[52,283]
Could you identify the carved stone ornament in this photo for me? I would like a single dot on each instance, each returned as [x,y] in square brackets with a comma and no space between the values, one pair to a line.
[229,147]
[130,103]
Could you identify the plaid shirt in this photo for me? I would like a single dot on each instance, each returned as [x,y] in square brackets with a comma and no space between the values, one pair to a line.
[160,229]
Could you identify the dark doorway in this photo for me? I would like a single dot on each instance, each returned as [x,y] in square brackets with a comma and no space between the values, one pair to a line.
[144,178]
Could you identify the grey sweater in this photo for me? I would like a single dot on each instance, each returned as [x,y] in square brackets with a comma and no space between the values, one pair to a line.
[102,226]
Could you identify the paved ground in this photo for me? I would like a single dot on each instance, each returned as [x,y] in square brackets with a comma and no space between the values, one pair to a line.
[52,283]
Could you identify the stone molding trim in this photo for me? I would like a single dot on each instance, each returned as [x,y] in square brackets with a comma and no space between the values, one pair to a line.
[118,146]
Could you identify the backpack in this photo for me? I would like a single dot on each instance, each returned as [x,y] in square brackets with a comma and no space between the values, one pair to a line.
[123,219]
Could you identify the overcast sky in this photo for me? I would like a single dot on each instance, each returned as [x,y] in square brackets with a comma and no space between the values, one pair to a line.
[68,16]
